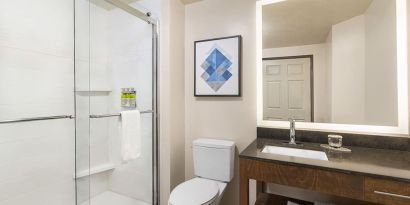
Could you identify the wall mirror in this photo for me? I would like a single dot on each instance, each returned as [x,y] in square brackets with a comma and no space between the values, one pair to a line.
[333,64]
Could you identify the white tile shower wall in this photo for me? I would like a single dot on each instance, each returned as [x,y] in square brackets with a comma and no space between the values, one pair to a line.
[130,64]
[92,78]
[36,79]
[98,128]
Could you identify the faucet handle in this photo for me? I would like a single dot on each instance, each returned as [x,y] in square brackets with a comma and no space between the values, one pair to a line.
[291,120]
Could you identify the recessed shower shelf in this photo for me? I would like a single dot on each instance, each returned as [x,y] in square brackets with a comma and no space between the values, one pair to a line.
[95,170]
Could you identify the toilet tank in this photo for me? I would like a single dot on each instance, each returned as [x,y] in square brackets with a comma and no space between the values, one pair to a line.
[214,159]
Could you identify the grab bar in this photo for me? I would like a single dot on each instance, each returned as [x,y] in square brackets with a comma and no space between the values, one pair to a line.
[117,114]
[37,119]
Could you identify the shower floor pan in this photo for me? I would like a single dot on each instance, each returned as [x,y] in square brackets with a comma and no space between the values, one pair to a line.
[111,198]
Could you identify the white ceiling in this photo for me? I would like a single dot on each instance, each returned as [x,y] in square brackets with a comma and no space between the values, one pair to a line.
[305,22]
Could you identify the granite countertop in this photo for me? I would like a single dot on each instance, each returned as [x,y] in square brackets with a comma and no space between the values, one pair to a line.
[384,163]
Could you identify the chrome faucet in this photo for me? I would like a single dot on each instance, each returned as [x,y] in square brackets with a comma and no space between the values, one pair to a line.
[292,133]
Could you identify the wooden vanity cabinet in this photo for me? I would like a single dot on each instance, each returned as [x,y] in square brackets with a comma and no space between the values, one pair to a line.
[343,184]
[387,191]
[340,184]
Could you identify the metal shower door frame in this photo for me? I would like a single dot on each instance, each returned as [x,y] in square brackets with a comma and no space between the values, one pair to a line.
[156,121]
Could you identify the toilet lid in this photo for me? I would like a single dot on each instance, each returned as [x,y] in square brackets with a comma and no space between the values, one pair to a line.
[194,192]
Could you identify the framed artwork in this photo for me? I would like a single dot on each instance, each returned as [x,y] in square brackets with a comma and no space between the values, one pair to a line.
[217,70]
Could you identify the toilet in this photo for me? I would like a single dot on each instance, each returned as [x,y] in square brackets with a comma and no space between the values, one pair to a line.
[213,168]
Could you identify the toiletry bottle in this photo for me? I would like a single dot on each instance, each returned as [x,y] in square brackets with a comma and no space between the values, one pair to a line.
[133,98]
[127,96]
[123,97]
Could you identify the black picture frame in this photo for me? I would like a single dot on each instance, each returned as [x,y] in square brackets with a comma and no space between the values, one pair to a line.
[239,94]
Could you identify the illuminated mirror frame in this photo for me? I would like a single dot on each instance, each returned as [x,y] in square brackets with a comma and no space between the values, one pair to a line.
[402,130]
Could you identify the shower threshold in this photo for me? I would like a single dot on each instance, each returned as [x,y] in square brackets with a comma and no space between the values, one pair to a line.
[111,198]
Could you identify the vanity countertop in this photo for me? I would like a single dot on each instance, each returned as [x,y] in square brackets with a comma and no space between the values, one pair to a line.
[383,163]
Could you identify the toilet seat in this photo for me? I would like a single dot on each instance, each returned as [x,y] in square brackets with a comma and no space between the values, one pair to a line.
[196,191]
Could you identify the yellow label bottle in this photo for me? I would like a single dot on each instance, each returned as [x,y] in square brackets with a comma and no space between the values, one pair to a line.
[124,97]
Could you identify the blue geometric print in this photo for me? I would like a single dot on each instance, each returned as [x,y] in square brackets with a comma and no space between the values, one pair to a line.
[216,67]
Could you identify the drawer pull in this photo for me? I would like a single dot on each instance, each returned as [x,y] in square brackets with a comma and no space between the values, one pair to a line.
[393,195]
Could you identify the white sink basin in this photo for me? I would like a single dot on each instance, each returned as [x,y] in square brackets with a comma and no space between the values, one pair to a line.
[311,154]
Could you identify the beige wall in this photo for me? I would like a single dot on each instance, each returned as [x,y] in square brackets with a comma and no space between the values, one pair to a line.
[329,68]
[381,57]
[369,42]
[172,102]
[164,104]
[177,95]
[221,118]
[408,57]
[348,71]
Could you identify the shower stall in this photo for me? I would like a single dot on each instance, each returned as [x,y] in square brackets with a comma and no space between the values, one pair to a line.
[66,67]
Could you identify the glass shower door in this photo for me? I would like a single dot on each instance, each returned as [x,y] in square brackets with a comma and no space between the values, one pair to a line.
[36,102]
[115,66]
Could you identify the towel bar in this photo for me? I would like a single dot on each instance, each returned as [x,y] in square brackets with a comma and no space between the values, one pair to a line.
[38,119]
[117,114]
[57,117]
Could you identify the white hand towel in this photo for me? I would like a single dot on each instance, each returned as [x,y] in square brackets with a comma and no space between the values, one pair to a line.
[130,135]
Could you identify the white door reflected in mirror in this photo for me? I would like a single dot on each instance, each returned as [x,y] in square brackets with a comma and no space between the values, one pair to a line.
[287,89]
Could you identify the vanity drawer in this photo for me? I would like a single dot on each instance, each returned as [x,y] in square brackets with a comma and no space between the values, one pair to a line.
[387,192]
[279,174]
[340,184]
